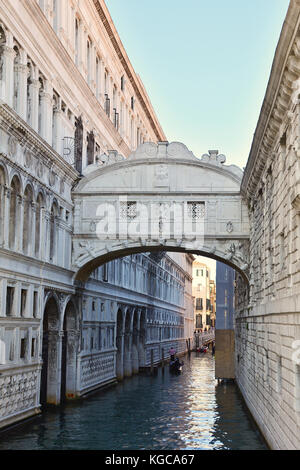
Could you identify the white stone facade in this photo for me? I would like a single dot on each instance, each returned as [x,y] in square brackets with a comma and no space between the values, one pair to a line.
[268,329]
[69,94]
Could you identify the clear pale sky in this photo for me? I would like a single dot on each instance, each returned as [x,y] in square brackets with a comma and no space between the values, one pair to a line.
[205,65]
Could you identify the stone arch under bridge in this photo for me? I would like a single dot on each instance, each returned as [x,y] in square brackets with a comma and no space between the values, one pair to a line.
[160,198]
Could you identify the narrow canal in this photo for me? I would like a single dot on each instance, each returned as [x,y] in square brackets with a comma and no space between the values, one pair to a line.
[166,412]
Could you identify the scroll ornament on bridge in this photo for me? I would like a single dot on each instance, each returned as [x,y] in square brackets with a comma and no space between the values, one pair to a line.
[213,157]
[238,253]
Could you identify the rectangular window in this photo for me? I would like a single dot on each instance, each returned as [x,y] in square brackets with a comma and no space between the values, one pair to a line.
[76,41]
[35,304]
[107,105]
[116,119]
[122,83]
[97,79]
[9,300]
[23,302]
[23,348]
[132,103]
[104,273]
[199,303]
[33,347]
[198,321]
[88,58]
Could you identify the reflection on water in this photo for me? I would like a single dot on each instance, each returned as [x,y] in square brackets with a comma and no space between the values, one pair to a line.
[165,412]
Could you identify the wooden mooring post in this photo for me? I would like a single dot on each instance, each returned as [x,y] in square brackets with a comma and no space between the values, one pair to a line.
[151,362]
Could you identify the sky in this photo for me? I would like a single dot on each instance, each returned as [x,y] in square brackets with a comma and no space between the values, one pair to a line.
[205,65]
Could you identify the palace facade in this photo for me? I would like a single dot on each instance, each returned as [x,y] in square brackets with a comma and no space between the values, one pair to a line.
[69,96]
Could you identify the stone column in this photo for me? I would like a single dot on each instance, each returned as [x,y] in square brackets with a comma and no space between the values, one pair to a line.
[128,355]
[57,128]
[82,49]
[101,81]
[46,110]
[33,112]
[120,357]
[60,242]
[54,367]
[22,72]
[31,247]
[6,215]
[93,68]
[135,353]
[45,245]
[8,75]
[2,346]
[19,224]
[72,348]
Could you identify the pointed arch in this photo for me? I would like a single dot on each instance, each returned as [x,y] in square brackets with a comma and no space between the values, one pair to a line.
[14,211]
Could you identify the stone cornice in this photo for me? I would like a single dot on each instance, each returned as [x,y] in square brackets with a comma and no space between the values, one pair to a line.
[134,80]
[285,70]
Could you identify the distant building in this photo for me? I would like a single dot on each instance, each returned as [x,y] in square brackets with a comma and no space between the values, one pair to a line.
[204,296]
[213,300]
[225,304]
[225,277]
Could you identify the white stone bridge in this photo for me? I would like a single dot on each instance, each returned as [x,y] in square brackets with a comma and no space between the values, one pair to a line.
[161,197]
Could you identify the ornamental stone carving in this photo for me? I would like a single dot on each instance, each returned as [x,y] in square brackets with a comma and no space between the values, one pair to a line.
[12,146]
[229,227]
[52,178]
[213,157]
[40,169]
[27,158]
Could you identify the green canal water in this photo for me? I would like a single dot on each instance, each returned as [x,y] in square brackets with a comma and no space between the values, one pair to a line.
[166,412]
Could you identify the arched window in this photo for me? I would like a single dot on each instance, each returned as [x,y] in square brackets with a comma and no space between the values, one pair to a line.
[97,78]
[16,99]
[53,232]
[105,82]
[88,61]
[27,223]
[13,211]
[29,92]
[41,91]
[76,41]
[38,224]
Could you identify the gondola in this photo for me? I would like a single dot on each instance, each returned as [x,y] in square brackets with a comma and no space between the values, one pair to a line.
[175,366]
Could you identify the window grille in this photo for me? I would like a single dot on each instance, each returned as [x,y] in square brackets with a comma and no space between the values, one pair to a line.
[196,210]
[128,210]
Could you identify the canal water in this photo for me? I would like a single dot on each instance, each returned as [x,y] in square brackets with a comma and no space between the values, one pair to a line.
[166,412]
